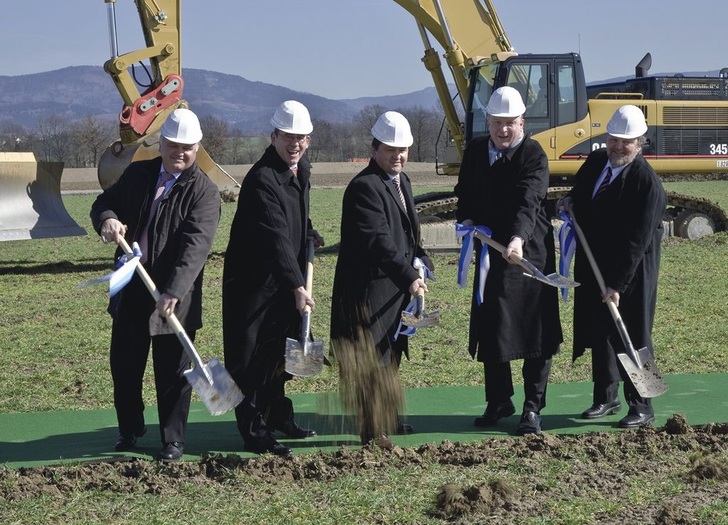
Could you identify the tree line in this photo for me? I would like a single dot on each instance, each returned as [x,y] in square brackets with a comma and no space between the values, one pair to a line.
[81,143]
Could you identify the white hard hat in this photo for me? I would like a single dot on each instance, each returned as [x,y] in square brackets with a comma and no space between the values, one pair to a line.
[392,129]
[292,117]
[628,122]
[182,126]
[505,102]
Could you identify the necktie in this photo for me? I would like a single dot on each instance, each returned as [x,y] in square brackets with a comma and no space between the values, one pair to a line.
[164,178]
[604,184]
[399,191]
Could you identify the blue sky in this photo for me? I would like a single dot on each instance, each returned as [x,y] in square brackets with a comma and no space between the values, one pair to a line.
[353,48]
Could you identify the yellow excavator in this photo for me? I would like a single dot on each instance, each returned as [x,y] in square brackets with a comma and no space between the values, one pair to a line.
[687,116]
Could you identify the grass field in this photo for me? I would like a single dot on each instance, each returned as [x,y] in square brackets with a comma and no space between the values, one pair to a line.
[54,341]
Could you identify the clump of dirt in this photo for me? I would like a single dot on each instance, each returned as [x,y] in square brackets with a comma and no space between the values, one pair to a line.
[369,385]
[453,501]
[677,424]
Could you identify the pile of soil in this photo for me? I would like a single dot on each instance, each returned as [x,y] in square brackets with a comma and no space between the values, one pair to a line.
[696,459]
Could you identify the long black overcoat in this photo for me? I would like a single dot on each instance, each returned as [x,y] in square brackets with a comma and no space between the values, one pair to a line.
[519,316]
[264,262]
[624,230]
[180,236]
[379,242]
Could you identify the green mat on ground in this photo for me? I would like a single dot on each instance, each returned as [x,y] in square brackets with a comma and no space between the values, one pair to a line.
[437,414]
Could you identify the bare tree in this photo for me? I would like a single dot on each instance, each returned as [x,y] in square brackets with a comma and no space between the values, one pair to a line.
[14,137]
[92,136]
[214,138]
[54,138]
[425,127]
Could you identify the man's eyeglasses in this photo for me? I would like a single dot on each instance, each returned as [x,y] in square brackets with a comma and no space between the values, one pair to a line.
[289,137]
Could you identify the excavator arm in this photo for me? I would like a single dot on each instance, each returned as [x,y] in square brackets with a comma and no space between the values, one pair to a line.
[143,113]
[470,33]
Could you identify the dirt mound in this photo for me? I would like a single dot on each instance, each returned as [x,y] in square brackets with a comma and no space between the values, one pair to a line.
[694,460]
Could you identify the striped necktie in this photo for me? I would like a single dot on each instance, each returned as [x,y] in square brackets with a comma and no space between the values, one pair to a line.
[164,178]
[604,184]
[399,191]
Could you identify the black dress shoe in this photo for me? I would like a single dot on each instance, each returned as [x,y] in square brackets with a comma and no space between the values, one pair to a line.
[494,412]
[530,423]
[293,431]
[127,442]
[636,420]
[171,452]
[267,445]
[598,410]
[404,428]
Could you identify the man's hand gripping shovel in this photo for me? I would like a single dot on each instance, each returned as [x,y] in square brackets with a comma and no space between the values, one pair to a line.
[305,358]
[552,279]
[639,364]
[417,317]
[212,382]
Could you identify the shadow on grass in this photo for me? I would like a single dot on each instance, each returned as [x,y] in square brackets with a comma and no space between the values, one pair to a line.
[26,267]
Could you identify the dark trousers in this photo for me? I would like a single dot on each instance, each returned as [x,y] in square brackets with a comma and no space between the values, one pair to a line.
[607,371]
[499,382]
[130,342]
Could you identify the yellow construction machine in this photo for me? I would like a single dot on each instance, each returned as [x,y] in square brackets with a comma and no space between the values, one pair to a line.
[687,116]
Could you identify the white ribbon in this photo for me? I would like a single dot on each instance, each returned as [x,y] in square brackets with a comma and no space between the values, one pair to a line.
[122,275]
[567,245]
[467,233]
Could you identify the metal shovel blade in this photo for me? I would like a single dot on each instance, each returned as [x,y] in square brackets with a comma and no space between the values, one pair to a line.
[552,279]
[424,320]
[644,374]
[304,360]
[215,386]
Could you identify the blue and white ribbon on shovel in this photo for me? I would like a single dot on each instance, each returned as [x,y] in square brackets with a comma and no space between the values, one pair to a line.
[403,329]
[122,275]
[467,233]
[567,246]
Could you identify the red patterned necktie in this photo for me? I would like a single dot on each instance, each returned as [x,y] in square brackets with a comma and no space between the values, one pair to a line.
[604,184]
[164,178]
[399,191]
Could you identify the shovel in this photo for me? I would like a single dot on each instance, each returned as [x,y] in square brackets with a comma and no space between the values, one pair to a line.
[552,279]
[305,358]
[639,364]
[419,318]
[212,382]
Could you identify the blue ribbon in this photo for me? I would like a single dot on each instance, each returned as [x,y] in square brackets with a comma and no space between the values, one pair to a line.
[119,278]
[467,234]
[567,244]
[411,308]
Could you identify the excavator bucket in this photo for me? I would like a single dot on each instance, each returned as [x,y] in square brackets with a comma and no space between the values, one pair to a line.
[30,199]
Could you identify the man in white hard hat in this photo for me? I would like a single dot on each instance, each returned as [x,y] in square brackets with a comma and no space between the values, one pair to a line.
[618,201]
[502,186]
[171,208]
[264,290]
[375,276]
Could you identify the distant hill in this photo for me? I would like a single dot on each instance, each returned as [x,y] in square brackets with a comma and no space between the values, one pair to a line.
[75,92]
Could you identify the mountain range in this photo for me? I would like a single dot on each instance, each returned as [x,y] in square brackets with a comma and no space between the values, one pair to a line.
[79,91]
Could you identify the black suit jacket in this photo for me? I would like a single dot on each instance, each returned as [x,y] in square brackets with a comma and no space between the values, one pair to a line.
[624,230]
[379,242]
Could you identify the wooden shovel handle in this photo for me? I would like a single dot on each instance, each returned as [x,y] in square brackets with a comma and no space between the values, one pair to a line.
[309,269]
[603,288]
[171,318]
